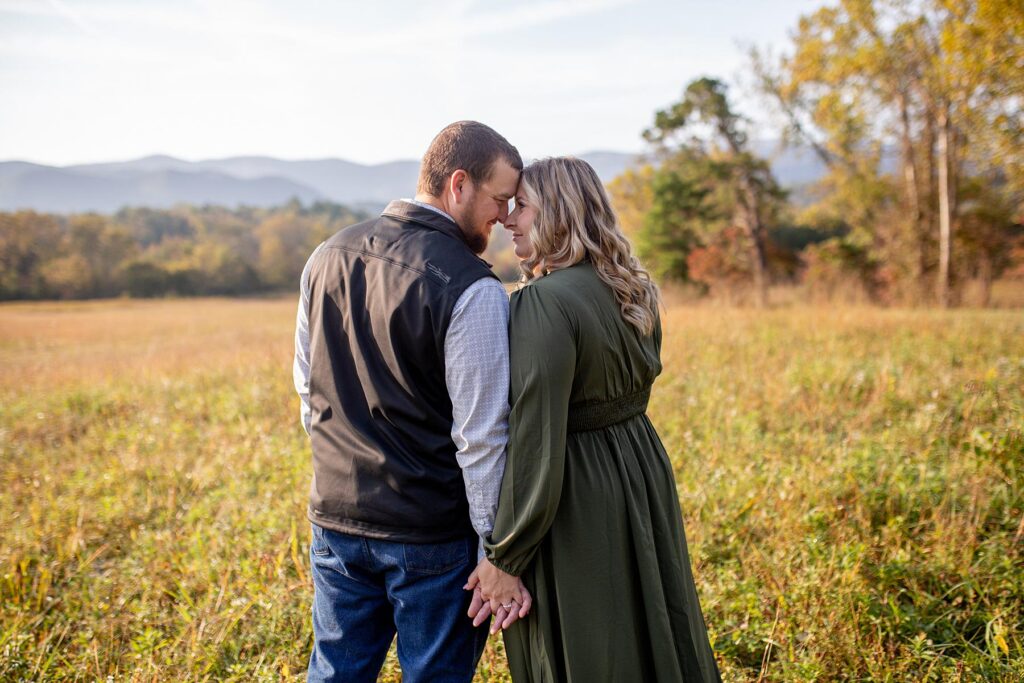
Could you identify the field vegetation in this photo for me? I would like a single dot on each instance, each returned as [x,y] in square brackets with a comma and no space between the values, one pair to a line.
[850,480]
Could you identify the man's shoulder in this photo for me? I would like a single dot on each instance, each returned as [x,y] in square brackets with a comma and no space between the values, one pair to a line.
[352,232]
[443,259]
[375,233]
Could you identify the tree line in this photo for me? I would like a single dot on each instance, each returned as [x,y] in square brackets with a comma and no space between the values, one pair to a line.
[144,252]
[941,82]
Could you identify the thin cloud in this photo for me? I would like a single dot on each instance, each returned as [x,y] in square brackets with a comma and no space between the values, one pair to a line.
[75,18]
[220,22]
[453,23]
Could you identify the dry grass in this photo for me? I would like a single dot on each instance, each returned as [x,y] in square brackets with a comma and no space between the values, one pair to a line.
[850,478]
[46,345]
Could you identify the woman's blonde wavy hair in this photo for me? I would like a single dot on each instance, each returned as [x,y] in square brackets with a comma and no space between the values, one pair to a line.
[575,221]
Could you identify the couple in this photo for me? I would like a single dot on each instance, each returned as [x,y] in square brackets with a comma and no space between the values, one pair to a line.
[417,374]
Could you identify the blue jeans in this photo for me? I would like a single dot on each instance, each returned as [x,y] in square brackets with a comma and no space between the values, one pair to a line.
[367,589]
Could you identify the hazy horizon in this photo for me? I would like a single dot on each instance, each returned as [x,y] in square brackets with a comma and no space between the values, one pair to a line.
[158,155]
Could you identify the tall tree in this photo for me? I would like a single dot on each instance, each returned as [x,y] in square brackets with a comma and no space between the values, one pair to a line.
[681,213]
[705,105]
[939,78]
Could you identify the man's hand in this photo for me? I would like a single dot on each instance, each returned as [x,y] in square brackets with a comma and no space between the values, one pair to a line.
[497,593]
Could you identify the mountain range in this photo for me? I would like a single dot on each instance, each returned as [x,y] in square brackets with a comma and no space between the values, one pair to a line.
[162,181]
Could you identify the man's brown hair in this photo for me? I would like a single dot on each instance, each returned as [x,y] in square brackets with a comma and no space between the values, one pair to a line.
[468,145]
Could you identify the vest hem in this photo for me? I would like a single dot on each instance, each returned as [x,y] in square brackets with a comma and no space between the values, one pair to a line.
[355,527]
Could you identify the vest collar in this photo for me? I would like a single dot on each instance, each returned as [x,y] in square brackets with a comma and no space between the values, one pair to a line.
[411,213]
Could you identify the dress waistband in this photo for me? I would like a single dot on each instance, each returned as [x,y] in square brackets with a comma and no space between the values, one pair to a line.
[584,417]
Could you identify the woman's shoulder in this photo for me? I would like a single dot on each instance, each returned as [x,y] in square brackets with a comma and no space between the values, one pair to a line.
[558,284]
[553,298]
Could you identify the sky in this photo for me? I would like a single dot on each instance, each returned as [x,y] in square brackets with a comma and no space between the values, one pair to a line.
[101,80]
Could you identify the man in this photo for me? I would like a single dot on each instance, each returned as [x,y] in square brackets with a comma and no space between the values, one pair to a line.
[401,362]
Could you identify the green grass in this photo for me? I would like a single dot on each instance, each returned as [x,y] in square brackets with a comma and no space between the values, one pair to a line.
[850,481]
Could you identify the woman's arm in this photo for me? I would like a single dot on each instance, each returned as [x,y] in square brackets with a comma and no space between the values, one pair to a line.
[542,350]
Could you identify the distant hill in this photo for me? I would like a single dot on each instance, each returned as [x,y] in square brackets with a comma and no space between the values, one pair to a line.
[162,181]
[341,181]
[60,190]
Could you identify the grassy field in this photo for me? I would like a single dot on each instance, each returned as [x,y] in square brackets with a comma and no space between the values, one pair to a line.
[851,481]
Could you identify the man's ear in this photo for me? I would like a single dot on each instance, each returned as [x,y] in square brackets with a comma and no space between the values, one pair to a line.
[457,185]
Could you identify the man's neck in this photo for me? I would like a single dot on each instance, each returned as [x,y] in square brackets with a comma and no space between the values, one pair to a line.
[433,201]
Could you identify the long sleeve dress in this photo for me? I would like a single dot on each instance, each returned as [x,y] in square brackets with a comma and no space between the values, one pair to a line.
[589,514]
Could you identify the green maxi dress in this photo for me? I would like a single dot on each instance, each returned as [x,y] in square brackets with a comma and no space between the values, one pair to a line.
[589,513]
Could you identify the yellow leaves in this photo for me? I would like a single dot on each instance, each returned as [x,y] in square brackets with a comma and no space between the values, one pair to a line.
[1001,642]
[995,630]
[632,196]
[861,11]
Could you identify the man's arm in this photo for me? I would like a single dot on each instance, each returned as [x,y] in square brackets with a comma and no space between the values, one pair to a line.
[300,367]
[476,372]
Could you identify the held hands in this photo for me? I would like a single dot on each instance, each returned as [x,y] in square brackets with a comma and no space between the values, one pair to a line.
[497,593]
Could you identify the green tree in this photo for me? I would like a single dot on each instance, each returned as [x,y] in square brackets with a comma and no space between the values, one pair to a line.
[749,197]
[681,211]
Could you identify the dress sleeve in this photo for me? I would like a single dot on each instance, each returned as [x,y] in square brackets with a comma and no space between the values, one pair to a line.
[542,352]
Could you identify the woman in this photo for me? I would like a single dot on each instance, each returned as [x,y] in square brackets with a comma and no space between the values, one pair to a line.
[589,515]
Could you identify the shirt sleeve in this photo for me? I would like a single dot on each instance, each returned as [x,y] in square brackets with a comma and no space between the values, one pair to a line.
[300,366]
[476,373]
[543,361]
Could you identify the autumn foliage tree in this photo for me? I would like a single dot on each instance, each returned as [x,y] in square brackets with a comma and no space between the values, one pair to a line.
[939,82]
[709,181]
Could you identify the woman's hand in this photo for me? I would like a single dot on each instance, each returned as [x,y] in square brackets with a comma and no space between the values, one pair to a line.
[497,593]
